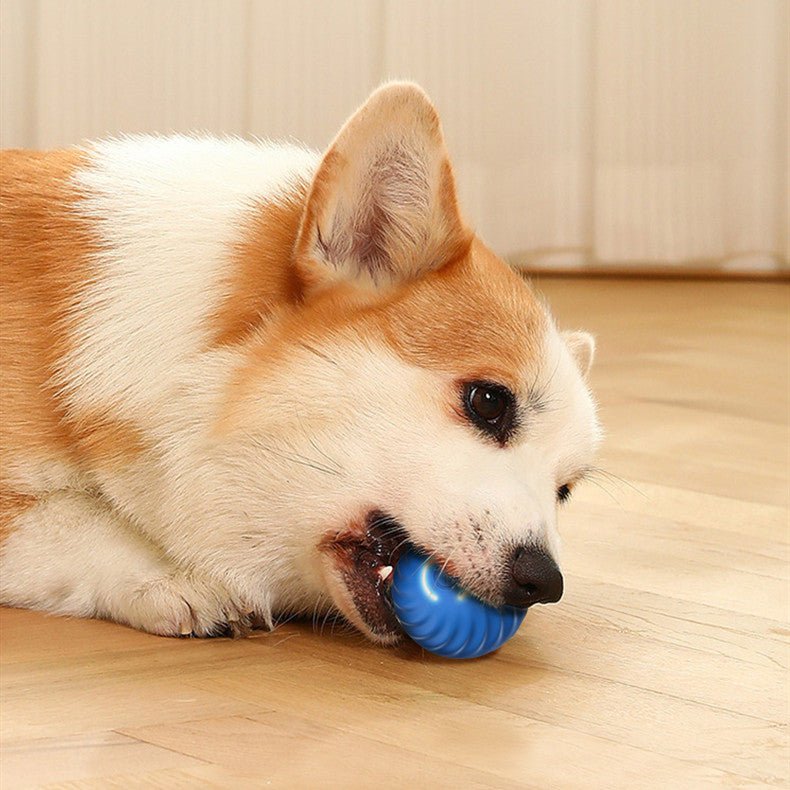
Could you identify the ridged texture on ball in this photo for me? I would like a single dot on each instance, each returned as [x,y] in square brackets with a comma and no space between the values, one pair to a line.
[442,617]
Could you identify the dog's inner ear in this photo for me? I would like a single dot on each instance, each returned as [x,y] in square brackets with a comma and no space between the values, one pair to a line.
[382,207]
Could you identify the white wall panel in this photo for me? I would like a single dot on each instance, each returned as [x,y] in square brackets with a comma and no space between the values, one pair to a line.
[139,65]
[311,63]
[17,96]
[688,103]
[512,82]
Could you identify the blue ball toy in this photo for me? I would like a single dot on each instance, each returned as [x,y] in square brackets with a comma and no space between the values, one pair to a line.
[442,617]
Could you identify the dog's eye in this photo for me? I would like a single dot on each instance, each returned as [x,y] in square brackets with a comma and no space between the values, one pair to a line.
[487,403]
[490,407]
[563,494]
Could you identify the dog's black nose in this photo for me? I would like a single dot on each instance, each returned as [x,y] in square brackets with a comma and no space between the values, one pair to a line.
[534,578]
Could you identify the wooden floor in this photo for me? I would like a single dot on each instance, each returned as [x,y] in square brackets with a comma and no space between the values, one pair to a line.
[664,666]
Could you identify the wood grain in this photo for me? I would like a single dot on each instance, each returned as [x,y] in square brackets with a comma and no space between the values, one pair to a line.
[665,665]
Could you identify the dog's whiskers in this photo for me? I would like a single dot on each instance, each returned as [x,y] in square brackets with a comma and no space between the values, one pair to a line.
[331,460]
[395,550]
[593,471]
[449,557]
[603,488]
[318,602]
[296,458]
[319,354]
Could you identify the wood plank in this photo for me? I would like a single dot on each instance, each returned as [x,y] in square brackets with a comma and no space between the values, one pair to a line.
[92,756]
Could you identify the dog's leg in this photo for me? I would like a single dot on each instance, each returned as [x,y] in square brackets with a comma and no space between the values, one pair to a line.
[71,553]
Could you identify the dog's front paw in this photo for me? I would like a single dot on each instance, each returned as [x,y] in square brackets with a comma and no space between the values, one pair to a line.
[182,604]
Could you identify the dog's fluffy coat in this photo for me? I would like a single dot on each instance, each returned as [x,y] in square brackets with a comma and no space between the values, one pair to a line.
[218,355]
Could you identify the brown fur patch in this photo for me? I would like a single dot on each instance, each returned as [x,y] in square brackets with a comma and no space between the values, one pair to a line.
[473,318]
[12,504]
[107,441]
[46,250]
[261,275]
[44,253]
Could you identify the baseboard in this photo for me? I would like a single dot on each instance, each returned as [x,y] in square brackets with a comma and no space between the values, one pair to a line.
[653,272]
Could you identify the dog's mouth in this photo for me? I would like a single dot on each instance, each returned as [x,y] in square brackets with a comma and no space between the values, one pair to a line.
[358,565]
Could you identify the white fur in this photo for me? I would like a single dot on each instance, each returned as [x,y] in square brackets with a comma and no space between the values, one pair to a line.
[167,211]
[72,554]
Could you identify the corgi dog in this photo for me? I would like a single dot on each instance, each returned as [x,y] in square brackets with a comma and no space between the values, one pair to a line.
[239,378]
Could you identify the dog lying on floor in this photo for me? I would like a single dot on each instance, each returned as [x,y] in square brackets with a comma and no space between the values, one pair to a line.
[239,378]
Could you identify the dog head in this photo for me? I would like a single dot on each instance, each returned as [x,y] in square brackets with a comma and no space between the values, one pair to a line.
[419,393]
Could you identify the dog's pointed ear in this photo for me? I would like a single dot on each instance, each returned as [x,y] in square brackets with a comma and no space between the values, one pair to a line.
[382,206]
[582,348]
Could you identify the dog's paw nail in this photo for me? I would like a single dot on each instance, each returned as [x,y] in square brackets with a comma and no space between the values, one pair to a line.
[239,630]
[185,629]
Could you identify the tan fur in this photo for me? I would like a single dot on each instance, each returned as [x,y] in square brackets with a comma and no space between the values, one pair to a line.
[12,504]
[491,320]
[46,249]
[105,441]
[260,273]
[44,260]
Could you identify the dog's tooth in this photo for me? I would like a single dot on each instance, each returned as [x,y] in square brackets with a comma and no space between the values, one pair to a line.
[385,571]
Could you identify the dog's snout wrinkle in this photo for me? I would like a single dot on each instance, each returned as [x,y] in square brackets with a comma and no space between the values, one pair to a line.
[534,577]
